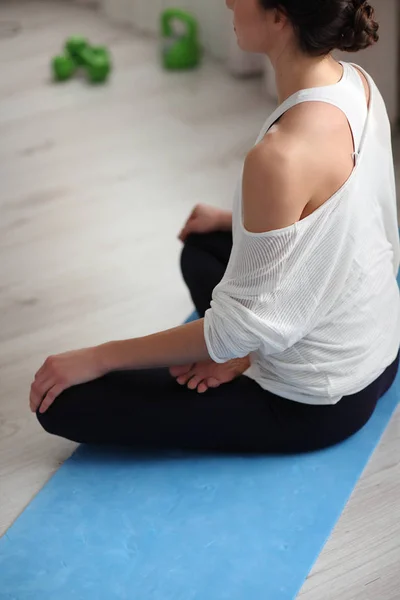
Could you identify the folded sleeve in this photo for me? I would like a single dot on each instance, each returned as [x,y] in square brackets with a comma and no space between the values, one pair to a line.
[233,331]
[275,290]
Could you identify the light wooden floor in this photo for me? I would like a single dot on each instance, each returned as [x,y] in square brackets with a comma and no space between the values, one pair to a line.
[94,185]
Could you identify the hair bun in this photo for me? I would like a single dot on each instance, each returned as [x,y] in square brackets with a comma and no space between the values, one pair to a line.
[361,31]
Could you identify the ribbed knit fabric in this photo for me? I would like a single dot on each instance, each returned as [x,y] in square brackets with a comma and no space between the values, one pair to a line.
[316,305]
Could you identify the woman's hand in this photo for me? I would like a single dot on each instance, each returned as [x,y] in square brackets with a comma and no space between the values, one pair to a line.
[171,347]
[206,219]
[61,372]
[209,374]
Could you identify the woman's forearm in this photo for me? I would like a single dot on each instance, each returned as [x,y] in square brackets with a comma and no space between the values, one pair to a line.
[178,346]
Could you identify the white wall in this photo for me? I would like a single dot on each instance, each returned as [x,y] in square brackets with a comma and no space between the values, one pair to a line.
[213,16]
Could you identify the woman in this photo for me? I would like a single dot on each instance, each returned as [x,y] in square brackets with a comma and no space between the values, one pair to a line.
[304,300]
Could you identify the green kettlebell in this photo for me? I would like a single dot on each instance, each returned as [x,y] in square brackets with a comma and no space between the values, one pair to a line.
[180,51]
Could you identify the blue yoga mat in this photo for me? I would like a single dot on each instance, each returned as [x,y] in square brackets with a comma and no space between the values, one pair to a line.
[114,525]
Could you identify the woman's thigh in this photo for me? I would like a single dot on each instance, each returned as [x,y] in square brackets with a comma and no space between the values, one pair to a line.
[148,409]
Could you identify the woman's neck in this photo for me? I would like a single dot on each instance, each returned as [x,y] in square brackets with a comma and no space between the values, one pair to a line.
[295,71]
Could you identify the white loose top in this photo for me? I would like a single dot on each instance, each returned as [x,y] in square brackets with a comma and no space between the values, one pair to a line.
[316,305]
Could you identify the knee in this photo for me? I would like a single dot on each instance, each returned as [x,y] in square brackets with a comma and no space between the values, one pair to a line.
[48,421]
[188,257]
[192,255]
[55,420]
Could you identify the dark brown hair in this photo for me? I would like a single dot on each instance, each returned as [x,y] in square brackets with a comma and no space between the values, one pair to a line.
[326,25]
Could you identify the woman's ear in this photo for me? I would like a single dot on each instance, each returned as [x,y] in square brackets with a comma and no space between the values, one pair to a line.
[280,16]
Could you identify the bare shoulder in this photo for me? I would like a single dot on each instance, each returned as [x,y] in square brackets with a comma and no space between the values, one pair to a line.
[275,187]
[302,161]
[313,121]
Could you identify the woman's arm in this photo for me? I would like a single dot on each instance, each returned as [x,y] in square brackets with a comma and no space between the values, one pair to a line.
[185,344]
[181,345]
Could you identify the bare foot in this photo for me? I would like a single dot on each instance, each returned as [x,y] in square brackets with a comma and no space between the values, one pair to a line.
[208,374]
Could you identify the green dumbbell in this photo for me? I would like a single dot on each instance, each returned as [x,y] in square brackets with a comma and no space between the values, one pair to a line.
[63,67]
[80,55]
[97,62]
[75,47]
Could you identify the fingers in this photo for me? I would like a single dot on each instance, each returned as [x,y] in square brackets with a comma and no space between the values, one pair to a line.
[190,225]
[198,382]
[42,373]
[39,389]
[183,234]
[51,395]
[180,370]
[195,381]
[43,382]
[187,230]
[205,385]
[202,387]
[213,383]
[192,379]
[186,377]
[183,379]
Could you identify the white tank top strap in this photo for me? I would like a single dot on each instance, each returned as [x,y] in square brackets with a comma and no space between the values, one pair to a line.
[348,95]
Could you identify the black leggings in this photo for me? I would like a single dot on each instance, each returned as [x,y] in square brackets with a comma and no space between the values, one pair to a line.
[147,409]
